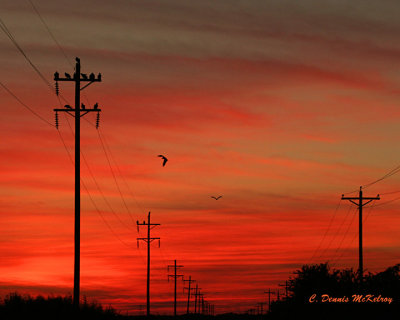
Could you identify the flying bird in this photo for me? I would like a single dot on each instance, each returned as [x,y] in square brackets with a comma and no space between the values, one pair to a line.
[216,198]
[67,75]
[164,158]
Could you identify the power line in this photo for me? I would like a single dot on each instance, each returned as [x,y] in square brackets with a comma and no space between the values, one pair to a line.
[337,232]
[344,235]
[50,33]
[335,260]
[11,37]
[25,105]
[90,196]
[115,179]
[119,171]
[327,230]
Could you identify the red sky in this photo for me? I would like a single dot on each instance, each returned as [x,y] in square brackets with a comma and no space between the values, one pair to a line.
[279,106]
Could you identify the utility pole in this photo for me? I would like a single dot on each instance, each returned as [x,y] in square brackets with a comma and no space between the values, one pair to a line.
[196,298]
[261,305]
[189,291]
[148,240]
[175,276]
[277,295]
[201,298]
[286,285]
[77,112]
[269,292]
[360,204]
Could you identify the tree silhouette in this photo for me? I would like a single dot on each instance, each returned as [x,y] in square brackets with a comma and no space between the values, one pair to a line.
[316,291]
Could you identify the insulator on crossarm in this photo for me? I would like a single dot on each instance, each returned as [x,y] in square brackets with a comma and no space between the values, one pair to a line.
[57,120]
[57,88]
[97,120]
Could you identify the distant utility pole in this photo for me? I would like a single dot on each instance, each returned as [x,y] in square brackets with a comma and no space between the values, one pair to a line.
[269,292]
[148,240]
[360,204]
[175,276]
[77,112]
[286,285]
[261,306]
[201,299]
[189,281]
[196,298]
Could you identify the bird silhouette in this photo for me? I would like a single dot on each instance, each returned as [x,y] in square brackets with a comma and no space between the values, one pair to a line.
[99,77]
[96,105]
[91,76]
[164,158]
[216,198]
[67,75]
[84,76]
[56,75]
[68,106]
[83,106]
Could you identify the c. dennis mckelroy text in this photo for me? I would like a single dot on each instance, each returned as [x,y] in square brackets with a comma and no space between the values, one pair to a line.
[355,298]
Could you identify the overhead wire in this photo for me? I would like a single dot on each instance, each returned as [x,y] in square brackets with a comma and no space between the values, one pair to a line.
[120,173]
[336,259]
[50,33]
[96,183]
[326,231]
[25,105]
[345,234]
[336,233]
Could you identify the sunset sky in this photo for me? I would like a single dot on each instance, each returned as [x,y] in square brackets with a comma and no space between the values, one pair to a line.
[278,106]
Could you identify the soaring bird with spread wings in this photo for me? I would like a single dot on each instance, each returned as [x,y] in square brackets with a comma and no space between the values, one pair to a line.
[164,158]
[216,198]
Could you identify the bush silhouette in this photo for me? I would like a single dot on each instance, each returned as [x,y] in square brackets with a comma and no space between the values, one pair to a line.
[15,306]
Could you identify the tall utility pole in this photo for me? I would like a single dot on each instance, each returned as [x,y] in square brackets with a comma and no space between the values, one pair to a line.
[77,112]
[148,240]
[175,276]
[189,291]
[360,204]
